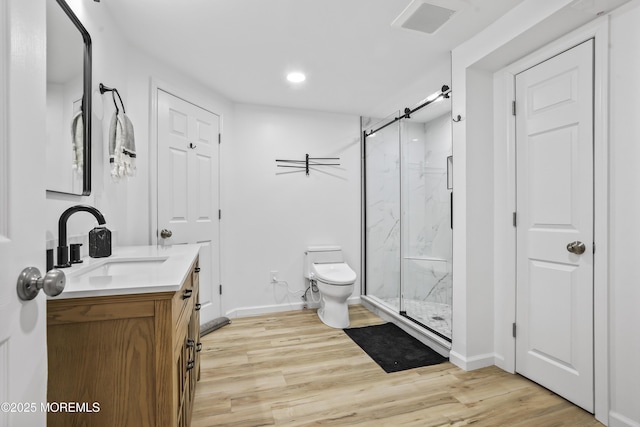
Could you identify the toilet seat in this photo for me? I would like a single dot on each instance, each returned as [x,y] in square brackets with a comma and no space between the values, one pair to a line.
[338,273]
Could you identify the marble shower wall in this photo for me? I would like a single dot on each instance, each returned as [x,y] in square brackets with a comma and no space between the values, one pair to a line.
[427,227]
[383,211]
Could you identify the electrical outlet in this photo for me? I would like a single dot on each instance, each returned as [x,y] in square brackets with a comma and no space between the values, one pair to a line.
[273,276]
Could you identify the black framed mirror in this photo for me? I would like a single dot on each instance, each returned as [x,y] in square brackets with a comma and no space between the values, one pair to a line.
[68,102]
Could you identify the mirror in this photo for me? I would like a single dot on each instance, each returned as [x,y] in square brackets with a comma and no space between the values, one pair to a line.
[68,102]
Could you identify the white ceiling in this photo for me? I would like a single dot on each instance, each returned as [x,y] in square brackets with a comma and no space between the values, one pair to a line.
[355,62]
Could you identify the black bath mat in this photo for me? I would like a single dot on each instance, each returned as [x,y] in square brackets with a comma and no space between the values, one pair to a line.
[392,348]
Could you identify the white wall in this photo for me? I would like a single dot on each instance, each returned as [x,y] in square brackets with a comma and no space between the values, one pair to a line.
[479,222]
[624,205]
[473,273]
[270,214]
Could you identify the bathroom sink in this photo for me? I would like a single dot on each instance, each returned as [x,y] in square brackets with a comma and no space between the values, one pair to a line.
[119,267]
[131,270]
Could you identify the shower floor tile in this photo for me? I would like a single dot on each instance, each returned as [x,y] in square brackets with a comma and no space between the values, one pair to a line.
[435,315]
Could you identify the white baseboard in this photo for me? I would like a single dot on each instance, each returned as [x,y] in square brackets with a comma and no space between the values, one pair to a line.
[278,308]
[500,362]
[472,363]
[618,420]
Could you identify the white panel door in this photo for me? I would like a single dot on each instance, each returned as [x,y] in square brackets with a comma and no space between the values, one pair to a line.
[188,188]
[23,351]
[554,144]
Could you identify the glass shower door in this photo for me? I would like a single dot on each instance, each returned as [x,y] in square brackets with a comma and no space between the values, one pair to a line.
[408,236]
[382,213]
[426,212]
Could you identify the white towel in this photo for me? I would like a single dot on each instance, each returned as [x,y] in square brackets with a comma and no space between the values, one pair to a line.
[122,147]
[77,139]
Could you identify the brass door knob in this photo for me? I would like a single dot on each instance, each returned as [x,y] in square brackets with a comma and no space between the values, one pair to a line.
[165,234]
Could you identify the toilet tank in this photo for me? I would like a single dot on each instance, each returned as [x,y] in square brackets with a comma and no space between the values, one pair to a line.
[321,255]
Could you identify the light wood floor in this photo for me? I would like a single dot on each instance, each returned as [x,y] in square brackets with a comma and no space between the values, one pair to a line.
[289,369]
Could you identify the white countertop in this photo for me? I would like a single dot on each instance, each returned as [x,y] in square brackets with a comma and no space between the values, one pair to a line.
[158,269]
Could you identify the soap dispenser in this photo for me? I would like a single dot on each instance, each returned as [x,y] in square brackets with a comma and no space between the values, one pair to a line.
[100,242]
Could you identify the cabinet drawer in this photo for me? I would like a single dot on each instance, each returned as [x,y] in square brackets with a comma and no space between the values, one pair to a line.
[60,312]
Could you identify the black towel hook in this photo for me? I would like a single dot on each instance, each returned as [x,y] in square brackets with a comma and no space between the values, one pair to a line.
[114,100]
[104,89]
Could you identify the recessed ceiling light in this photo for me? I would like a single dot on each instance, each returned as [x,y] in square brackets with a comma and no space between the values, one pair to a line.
[296,77]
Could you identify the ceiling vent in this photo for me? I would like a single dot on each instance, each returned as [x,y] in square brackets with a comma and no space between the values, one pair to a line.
[425,16]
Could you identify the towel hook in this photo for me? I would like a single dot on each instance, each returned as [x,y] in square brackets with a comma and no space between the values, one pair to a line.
[114,101]
[104,89]
[307,162]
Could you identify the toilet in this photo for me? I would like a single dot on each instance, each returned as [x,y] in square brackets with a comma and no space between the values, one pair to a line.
[335,280]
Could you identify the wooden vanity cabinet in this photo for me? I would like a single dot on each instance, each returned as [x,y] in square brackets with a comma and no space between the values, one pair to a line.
[186,354]
[134,356]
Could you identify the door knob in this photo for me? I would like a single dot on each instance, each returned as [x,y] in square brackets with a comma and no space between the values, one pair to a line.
[576,247]
[31,281]
[165,234]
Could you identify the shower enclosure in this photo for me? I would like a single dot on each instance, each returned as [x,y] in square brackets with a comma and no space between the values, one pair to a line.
[407,214]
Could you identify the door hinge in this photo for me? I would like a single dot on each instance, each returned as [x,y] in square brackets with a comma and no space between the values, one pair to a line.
[513,330]
[513,108]
[219,138]
[594,247]
[515,219]
[220,290]
[219,213]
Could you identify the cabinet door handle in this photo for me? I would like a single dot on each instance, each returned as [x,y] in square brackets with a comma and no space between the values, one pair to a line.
[199,347]
[197,270]
[187,293]
[198,306]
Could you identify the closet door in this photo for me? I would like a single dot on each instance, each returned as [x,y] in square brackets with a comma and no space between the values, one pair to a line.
[188,188]
[554,143]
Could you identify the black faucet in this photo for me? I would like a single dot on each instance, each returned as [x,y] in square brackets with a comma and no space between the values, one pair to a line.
[63,249]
